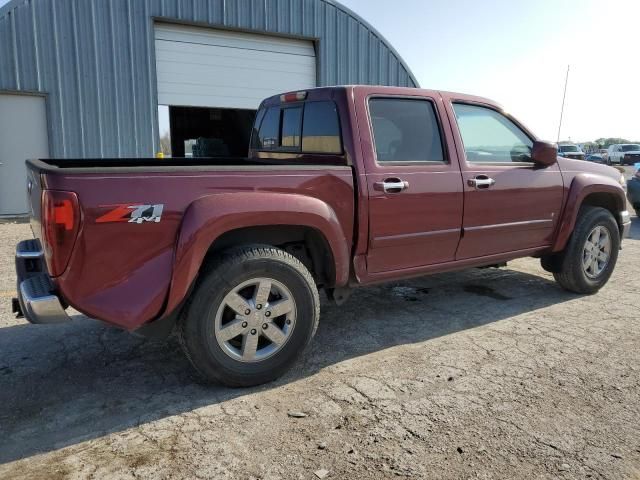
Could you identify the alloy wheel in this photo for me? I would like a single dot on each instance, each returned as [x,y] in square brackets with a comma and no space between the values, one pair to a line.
[255,320]
[596,252]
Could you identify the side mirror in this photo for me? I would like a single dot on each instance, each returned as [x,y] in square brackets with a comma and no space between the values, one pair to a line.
[544,154]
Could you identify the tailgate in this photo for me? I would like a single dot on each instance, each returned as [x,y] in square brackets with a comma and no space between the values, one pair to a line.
[34,193]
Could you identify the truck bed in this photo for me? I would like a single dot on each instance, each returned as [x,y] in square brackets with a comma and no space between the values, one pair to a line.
[121,271]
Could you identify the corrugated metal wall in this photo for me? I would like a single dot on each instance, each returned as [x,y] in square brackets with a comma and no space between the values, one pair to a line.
[95,59]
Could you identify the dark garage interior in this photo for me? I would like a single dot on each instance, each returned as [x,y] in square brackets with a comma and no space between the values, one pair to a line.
[210,132]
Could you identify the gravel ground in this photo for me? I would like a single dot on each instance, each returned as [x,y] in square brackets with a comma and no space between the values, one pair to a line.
[478,374]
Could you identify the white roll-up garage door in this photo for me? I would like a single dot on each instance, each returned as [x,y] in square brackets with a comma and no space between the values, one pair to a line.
[202,67]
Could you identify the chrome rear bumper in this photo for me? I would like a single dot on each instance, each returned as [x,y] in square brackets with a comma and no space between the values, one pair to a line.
[37,299]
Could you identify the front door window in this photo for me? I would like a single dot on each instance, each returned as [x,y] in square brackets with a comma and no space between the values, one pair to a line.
[490,137]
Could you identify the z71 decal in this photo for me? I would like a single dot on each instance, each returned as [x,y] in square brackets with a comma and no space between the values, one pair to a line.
[133,214]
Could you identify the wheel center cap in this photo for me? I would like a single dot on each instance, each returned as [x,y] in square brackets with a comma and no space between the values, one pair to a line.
[258,318]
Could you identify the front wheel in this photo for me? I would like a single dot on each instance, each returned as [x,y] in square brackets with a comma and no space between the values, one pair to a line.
[591,255]
[252,313]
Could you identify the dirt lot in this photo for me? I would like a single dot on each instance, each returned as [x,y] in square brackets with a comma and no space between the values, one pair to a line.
[480,374]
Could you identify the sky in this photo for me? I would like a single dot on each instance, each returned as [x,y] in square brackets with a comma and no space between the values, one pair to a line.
[516,52]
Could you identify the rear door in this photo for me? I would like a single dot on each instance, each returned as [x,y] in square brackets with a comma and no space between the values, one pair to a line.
[413,180]
[510,204]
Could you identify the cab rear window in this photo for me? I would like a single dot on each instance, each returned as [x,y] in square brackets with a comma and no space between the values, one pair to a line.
[290,133]
[312,127]
[268,135]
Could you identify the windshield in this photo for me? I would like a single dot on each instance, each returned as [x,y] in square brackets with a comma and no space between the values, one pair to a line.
[568,148]
[630,148]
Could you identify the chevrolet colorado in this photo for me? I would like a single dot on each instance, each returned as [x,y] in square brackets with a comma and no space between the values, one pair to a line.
[343,187]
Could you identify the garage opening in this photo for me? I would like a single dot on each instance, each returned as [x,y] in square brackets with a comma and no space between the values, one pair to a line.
[211,82]
[209,132]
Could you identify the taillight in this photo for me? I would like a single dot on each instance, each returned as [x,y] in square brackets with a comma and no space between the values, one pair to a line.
[60,224]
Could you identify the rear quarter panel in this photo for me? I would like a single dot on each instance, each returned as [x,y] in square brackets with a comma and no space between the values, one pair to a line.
[122,272]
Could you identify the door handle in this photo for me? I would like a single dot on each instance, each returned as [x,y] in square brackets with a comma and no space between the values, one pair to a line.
[392,185]
[481,182]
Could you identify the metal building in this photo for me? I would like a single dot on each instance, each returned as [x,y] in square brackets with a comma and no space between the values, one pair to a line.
[108,78]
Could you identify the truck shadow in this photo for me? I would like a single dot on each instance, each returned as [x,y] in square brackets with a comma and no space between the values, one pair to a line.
[65,384]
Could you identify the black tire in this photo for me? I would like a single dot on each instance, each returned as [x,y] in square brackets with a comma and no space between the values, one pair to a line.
[197,331]
[637,212]
[571,275]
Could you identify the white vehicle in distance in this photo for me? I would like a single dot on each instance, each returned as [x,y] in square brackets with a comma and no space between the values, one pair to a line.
[567,150]
[624,154]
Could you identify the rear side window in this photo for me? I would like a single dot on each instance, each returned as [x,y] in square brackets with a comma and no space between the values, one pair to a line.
[405,130]
[321,130]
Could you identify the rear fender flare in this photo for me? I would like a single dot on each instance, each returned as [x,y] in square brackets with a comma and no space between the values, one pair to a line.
[209,217]
[583,185]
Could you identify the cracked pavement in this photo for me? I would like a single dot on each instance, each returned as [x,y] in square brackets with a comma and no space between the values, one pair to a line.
[476,374]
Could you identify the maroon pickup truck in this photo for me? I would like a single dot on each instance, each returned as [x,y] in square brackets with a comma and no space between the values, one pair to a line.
[343,187]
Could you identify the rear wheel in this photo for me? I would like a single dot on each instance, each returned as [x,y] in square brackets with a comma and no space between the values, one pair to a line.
[253,312]
[589,259]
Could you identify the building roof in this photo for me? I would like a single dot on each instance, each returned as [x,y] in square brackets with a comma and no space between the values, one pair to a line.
[12,4]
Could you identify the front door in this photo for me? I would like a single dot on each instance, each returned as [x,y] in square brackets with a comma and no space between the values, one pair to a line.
[413,180]
[23,135]
[510,204]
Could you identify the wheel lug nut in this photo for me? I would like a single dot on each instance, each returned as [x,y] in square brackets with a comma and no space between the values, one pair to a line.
[288,322]
[247,312]
[267,314]
[244,324]
[254,331]
[259,307]
[265,326]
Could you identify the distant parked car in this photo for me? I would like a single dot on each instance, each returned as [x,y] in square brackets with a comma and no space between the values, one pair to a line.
[624,154]
[570,151]
[603,152]
[633,191]
[595,158]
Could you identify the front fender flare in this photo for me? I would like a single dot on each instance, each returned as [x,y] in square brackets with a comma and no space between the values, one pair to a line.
[583,185]
[209,217]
